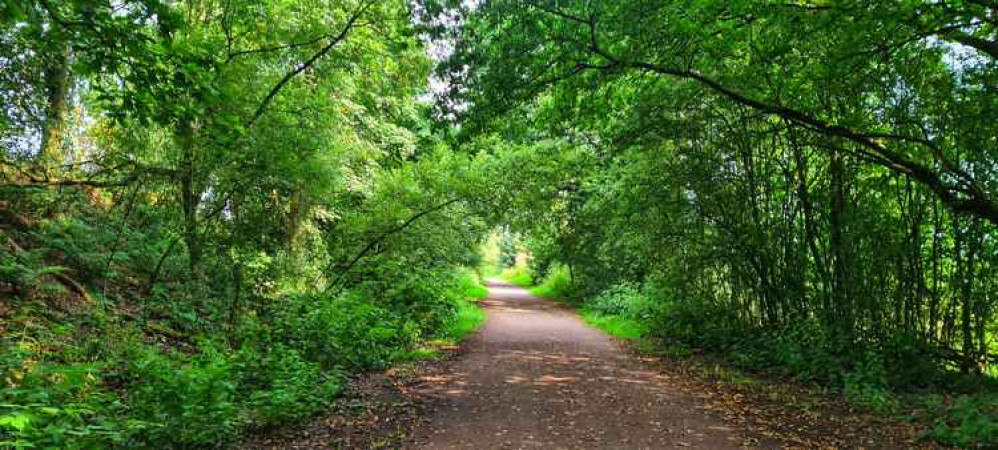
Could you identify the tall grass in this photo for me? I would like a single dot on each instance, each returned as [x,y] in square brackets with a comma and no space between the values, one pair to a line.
[469,316]
[518,275]
[617,326]
[556,285]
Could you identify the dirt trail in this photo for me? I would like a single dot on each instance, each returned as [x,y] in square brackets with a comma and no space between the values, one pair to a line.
[536,376]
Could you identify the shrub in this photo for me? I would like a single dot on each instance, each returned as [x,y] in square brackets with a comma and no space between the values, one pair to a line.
[866,383]
[628,300]
[56,405]
[188,404]
[557,284]
[469,285]
[469,317]
[344,332]
[279,362]
[625,310]
[967,421]
[292,387]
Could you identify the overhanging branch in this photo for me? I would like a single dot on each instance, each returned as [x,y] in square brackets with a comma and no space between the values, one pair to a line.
[333,42]
[381,237]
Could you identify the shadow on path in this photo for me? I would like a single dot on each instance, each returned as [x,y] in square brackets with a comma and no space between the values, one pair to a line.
[536,376]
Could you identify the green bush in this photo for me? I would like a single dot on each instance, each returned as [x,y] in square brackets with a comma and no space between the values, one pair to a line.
[628,300]
[283,361]
[469,317]
[56,405]
[290,388]
[470,285]
[556,285]
[345,332]
[967,421]
[866,383]
[193,403]
[626,311]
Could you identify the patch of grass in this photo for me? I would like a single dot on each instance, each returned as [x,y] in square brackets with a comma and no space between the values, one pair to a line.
[616,326]
[477,292]
[469,318]
[556,285]
[518,275]
[471,286]
[521,280]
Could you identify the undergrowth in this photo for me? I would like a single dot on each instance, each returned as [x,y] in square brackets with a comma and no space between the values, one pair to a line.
[965,417]
[106,380]
[468,317]
[556,285]
[518,275]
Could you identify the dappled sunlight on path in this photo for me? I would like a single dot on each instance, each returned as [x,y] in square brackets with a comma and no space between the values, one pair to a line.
[536,376]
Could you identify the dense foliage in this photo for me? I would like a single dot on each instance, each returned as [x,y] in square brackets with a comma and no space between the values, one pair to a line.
[806,186]
[211,212]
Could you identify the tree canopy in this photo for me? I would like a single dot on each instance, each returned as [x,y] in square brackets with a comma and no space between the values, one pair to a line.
[235,203]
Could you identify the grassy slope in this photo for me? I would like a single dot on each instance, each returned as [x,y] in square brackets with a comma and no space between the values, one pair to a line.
[964,423]
[469,317]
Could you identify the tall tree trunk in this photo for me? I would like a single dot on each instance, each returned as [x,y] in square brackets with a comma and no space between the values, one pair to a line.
[837,245]
[810,229]
[967,292]
[914,301]
[57,83]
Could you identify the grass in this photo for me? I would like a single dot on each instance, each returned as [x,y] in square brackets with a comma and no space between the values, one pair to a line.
[469,318]
[477,292]
[616,326]
[521,280]
[518,275]
[556,285]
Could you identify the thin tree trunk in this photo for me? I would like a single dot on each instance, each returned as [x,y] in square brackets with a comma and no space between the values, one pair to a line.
[936,251]
[295,208]
[189,195]
[810,229]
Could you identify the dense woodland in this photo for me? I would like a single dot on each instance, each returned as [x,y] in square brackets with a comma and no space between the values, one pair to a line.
[212,212]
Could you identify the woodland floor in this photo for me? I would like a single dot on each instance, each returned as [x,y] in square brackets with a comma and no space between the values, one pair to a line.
[536,376]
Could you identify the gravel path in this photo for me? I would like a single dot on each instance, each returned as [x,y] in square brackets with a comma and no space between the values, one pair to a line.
[536,376]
